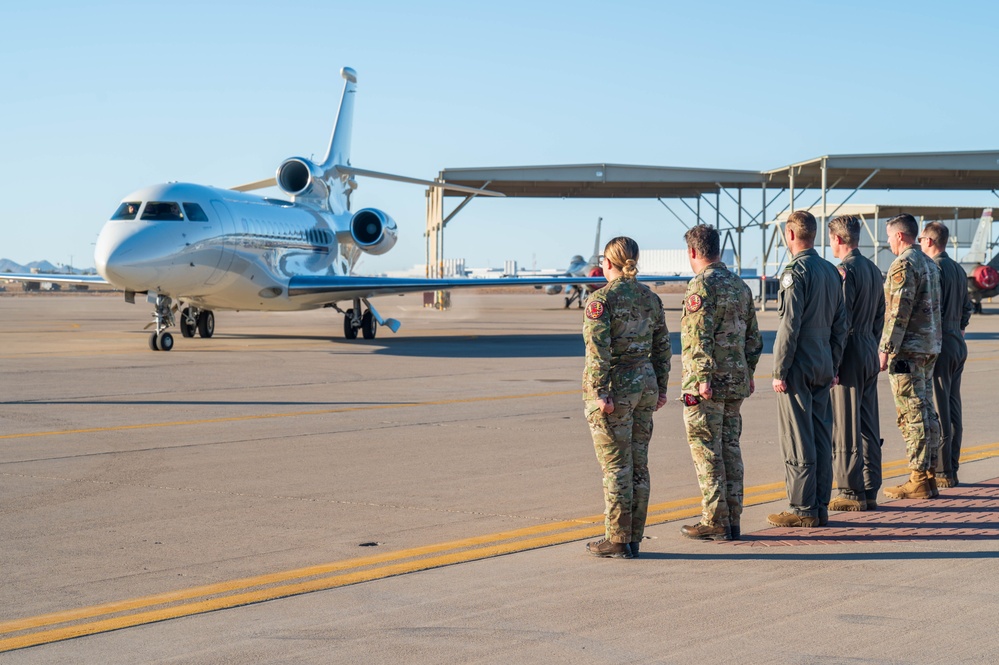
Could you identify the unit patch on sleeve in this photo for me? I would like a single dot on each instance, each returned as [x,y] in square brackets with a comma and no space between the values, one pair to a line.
[898,278]
[842,272]
[594,309]
[787,280]
[694,303]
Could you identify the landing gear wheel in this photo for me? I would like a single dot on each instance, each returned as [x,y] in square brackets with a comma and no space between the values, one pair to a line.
[187,329]
[164,340]
[206,324]
[153,342]
[369,326]
[349,331]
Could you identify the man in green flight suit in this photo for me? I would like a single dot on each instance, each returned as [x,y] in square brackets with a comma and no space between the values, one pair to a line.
[807,352]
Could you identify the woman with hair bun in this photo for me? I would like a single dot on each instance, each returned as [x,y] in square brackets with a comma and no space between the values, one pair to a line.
[624,383]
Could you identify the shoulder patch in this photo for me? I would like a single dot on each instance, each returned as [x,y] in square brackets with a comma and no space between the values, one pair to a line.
[898,278]
[842,272]
[694,303]
[787,279]
[594,309]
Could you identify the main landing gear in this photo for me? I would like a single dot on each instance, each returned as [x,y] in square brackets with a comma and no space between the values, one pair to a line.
[354,321]
[366,321]
[191,319]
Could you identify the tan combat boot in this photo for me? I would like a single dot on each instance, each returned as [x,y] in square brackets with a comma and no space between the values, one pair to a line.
[607,549]
[917,487]
[788,519]
[931,476]
[706,532]
[842,502]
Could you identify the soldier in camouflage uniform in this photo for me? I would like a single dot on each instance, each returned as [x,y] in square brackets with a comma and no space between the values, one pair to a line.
[807,352]
[955,315]
[856,422]
[909,347]
[624,382]
[721,347]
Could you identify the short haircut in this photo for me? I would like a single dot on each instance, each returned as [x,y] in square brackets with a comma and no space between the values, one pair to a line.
[803,224]
[846,228]
[905,223]
[938,233]
[704,240]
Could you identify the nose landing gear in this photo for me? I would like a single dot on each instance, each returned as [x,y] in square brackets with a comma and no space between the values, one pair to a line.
[192,319]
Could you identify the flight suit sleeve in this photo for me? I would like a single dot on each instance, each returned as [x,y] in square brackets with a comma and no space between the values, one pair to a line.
[879,313]
[662,351]
[849,292]
[966,306]
[597,339]
[900,295]
[840,330]
[791,305]
[698,332]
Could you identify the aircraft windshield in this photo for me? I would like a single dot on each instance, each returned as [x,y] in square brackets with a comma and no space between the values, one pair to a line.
[127,210]
[195,213]
[163,212]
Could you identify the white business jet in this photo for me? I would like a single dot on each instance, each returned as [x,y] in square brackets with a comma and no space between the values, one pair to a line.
[195,249]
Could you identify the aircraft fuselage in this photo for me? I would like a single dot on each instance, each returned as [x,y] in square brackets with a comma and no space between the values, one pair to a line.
[229,250]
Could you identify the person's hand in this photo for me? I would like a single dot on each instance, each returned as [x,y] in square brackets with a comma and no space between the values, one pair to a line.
[704,390]
[884,360]
[606,405]
[835,381]
[662,401]
[780,386]
[752,385]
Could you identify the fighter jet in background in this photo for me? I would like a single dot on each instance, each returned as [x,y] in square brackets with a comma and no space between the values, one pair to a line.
[579,267]
[983,277]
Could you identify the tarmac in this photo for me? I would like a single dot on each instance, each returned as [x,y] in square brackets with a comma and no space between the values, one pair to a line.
[279,494]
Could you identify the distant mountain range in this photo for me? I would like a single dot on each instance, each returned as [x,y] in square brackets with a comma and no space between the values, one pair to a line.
[6,265]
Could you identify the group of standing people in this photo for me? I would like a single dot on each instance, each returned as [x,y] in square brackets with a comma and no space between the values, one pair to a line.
[839,327]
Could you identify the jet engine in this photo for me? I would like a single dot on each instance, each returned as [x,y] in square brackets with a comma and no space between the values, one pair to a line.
[553,289]
[986,278]
[298,176]
[373,231]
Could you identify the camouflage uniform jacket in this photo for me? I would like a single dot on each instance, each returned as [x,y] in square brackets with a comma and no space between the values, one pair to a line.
[955,303]
[812,329]
[626,340]
[912,302]
[720,337]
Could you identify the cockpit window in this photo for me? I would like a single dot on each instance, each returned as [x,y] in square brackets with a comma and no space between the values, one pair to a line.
[163,212]
[127,210]
[195,213]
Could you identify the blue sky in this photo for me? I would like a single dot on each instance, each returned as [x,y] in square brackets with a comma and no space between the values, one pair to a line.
[99,99]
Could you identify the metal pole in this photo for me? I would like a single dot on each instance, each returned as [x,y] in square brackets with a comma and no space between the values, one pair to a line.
[763,256]
[738,256]
[717,210]
[822,227]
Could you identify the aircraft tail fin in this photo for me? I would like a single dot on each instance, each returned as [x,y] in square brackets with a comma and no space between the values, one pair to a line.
[980,245]
[596,243]
[338,153]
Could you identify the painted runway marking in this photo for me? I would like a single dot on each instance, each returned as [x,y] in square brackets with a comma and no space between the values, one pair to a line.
[57,626]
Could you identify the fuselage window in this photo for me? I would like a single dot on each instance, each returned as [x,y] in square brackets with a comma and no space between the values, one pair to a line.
[163,212]
[127,210]
[195,213]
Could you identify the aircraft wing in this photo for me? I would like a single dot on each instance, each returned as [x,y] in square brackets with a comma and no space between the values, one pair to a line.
[344,288]
[53,277]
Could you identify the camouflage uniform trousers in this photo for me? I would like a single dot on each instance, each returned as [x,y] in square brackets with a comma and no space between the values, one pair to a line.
[621,440]
[713,432]
[916,415]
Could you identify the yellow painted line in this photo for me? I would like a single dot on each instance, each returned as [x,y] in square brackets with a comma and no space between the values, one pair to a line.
[246,591]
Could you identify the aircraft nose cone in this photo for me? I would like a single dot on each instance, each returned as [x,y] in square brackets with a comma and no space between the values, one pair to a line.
[119,259]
